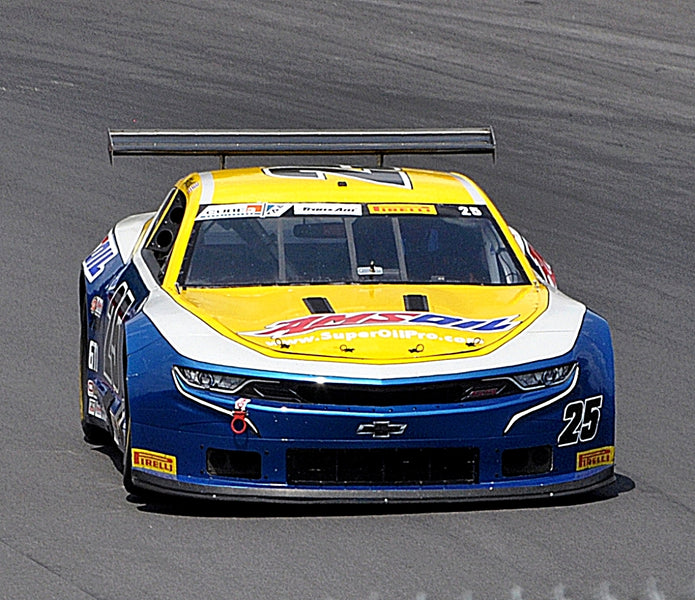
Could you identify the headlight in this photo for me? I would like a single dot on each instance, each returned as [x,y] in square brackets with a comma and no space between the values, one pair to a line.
[205,380]
[545,377]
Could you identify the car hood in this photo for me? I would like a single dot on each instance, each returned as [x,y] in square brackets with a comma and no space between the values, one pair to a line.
[377,324]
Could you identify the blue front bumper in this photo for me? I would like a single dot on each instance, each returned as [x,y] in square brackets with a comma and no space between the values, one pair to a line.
[497,448]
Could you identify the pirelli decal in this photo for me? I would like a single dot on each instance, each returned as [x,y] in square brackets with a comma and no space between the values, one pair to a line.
[402,209]
[595,458]
[153,461]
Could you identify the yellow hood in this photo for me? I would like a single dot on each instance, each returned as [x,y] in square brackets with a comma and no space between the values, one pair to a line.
[369,323]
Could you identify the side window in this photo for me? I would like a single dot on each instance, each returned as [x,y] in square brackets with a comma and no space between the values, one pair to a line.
[158,248]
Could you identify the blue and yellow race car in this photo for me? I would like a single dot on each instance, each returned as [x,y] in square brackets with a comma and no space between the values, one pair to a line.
[338,333]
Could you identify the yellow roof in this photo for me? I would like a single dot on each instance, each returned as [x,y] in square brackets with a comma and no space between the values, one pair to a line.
[251,185]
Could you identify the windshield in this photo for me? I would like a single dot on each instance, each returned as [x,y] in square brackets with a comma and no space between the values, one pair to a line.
[347,243]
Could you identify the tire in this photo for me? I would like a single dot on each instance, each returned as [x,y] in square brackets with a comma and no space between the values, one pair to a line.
[127,464]
[128,484]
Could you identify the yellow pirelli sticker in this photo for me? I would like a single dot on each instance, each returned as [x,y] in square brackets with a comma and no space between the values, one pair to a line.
[402,209]
[153,461]
[595,458]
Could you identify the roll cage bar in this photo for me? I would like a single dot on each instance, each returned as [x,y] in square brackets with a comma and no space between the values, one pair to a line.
[268,143]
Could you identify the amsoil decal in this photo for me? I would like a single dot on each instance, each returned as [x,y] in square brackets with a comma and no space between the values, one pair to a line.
[153,461]
[595,458]
[382,176]
[95,263]
[303,325]
[402,209]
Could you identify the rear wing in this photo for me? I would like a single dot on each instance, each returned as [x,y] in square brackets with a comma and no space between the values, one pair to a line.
[267,143]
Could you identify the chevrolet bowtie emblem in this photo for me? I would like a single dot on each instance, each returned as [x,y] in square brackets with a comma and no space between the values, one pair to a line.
[381,429]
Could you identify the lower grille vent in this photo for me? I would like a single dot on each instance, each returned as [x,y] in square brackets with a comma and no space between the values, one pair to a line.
[234,463]
[382,466]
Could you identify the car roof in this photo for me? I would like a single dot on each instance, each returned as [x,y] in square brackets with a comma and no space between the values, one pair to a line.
[333,184]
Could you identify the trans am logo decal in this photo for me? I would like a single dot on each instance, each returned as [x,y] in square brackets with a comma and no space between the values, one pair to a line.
[379,319]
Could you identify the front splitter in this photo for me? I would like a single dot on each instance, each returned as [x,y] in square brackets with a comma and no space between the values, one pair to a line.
[148,482]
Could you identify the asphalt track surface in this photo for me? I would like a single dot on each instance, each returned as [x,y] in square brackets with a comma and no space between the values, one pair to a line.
[592,103]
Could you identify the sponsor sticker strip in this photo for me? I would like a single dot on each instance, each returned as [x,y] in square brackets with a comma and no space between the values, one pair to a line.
[264,210]
[94,407]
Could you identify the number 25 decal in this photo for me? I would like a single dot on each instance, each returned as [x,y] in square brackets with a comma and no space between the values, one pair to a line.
[470,211]
[582,418]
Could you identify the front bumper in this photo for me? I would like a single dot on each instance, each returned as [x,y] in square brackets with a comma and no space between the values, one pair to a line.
[536,444]
[442,454]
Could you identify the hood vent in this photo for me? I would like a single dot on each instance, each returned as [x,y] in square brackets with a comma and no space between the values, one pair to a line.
[416,302]
[318,305]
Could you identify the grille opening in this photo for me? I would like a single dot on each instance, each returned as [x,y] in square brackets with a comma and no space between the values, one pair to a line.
[527,461]
[375,395]
[382,466]
[234,463]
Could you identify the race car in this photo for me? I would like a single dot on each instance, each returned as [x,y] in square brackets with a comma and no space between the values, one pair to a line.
[335,333]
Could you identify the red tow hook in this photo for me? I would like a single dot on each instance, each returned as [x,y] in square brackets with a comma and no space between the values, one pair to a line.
[240,418]
[239,424]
